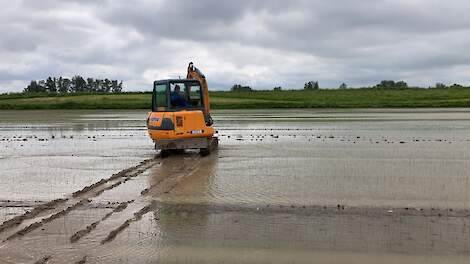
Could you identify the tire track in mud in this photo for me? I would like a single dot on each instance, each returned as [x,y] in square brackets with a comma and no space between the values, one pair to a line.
[116,179]
[81,261]
[31,220]
[137,216]
[30,214]
[81,233]
[164,186]
[43,260]
[35,225]
[107,228]
[168,183]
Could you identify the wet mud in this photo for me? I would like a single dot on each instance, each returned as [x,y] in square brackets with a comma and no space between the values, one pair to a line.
[383,186]
[137,216]
[81,261]
[79,234]
[36,225]
[43,260]
[30,214]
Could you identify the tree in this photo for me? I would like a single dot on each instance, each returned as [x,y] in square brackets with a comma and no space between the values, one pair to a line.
[78,84]
[67,85]
[316,86]
[387,84]
[456,85]
[90,85]
[99,86]
[308,86]
[278,88]
[50,85]
[343,86]
[401,85]
[120,86]
[440,85]
[107,85]
[60,86]
[42,86]
[115,86]
[311,85]
[33,87]
[240,88]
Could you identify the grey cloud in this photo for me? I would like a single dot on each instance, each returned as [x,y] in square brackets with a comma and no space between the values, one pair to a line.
[263,43]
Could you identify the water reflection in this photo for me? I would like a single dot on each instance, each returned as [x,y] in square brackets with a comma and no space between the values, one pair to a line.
[180,185]
[184,178]
[195,233]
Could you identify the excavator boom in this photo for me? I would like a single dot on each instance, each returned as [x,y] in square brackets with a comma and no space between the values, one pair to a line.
[195,73]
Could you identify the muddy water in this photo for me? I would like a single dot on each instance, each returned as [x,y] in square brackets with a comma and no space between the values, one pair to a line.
[383,158]
[296,186]
[48,154]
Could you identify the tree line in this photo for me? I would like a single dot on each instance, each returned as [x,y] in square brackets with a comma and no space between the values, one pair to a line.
[240,88]
[385,84]
[75,85]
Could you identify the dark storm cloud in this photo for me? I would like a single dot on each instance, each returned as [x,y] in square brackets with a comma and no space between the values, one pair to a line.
[260,43]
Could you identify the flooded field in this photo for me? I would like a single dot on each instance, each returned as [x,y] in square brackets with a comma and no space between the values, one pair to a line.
[285,186]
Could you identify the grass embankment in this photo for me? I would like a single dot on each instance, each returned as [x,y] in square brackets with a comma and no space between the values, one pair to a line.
[352,98]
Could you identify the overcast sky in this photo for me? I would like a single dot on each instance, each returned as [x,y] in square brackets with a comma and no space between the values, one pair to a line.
[258,43]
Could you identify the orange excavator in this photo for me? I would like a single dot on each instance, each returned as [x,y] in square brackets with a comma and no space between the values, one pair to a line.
[180,117]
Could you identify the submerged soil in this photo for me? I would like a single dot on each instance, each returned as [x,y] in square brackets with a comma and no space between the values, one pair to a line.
[296,186]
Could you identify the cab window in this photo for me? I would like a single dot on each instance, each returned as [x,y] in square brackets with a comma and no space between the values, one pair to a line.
[186,95]
[160,95]
[194,92]
[178,96]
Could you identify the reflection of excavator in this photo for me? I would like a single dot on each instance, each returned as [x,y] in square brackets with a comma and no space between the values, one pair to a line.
[180,117]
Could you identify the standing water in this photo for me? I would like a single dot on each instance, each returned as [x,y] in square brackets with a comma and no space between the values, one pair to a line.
[294,186]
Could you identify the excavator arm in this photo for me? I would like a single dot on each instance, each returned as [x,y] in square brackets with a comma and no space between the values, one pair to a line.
[195,73]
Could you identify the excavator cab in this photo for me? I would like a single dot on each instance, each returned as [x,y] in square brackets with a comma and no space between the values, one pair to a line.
[180,117]
[177,95]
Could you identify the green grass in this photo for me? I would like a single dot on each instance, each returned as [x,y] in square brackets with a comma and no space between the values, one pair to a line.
[351,98]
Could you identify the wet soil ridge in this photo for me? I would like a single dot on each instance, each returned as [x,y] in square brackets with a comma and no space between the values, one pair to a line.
[81,233]
[86,193]
[137,216]
[36,225]
[20,203]
[313,210]
[116,179]
[82,261]
[166,184]
[43,260]
[30,214]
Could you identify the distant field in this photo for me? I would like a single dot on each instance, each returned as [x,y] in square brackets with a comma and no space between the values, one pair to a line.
[351,98]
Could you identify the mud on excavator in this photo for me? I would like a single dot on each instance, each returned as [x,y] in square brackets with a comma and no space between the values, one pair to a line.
[180,117]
